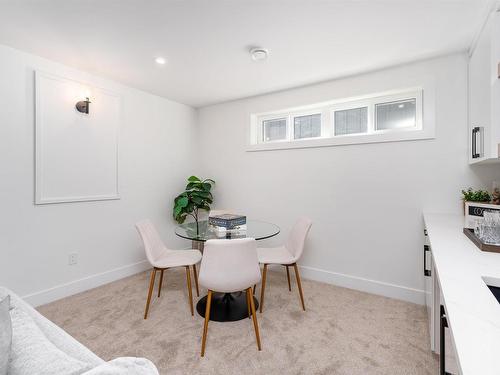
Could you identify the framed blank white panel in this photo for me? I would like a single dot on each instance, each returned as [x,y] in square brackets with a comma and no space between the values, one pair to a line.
[76,153]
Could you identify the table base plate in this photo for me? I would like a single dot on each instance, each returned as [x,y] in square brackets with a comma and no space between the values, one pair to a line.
[226,307]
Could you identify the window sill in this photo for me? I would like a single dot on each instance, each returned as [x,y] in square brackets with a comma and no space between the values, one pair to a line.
[410,135]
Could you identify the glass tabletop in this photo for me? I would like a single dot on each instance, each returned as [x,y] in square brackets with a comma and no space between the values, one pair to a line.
[257,229]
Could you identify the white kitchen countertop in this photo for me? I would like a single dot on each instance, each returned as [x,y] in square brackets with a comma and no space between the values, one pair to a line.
[473,312]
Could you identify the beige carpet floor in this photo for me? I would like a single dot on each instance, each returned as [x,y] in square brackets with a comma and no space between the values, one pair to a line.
[342,332]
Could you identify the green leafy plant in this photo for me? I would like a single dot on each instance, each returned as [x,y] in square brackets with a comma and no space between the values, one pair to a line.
[197,196]
[471,195]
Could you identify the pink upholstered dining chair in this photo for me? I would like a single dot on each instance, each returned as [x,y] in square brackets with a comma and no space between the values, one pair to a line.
[230,266]
[161,258]
[286,255]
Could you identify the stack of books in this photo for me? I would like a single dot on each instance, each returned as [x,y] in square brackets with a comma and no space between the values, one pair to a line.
[228,222]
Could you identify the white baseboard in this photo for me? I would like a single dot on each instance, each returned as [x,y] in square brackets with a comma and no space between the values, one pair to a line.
[64,290]
[365,285]
[346,281]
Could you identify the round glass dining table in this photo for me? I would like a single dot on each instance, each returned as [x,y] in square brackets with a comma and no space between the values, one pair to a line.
[225,307]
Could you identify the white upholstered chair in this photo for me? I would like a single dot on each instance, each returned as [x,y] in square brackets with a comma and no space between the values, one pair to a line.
[230,266]
[161,258]
[286,255]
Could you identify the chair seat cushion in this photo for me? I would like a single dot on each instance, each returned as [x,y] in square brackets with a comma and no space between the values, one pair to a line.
[177,258]
[275,255]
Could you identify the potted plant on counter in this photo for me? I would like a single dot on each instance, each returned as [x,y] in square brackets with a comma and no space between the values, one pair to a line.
[197,196]
[471,195]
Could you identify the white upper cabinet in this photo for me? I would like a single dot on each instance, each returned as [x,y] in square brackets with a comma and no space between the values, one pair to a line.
[484,95]
[495,87]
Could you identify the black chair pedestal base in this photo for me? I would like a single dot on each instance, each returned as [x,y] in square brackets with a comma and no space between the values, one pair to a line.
[226,307]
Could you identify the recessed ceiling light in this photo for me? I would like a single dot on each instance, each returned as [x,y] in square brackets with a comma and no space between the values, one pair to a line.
[259,54]
[161,60]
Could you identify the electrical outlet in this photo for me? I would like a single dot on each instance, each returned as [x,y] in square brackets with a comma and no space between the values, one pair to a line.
[72,259]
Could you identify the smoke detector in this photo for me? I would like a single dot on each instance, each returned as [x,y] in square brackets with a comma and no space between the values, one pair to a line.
[259,54]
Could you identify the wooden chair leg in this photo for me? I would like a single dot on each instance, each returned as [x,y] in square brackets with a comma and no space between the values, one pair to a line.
[248,305]
[196,280]
[288,277]
[254,286]
[161,282]
[190,292]
[262,288]
[205,326]
[254,317]
[297,276]
[151,287]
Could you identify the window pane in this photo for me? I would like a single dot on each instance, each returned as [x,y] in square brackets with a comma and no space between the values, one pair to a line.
[274,130]
[308,126]
[395,115]
[351,121]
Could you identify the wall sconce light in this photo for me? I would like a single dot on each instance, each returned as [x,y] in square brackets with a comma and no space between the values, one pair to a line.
[83,106]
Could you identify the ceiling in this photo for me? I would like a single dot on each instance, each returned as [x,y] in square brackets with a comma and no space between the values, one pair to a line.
[206,42]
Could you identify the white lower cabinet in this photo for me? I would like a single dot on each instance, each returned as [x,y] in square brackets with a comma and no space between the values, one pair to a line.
[433,302]
[429,280]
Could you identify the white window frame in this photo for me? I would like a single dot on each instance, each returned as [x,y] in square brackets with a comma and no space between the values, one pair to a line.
[286,116]
[399,98]
[352,105]
[314,111]
[327,111]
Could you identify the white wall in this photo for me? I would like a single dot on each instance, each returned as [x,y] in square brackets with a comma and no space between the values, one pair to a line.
[156,155]
[366,201]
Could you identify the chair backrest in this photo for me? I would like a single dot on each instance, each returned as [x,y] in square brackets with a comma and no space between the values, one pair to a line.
[229,265]
[153,245]
[297,237]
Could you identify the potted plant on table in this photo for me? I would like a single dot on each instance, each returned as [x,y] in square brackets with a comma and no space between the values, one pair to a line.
[197,196]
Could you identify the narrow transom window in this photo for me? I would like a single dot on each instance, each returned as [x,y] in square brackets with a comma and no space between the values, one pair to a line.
[274,130]
[395,115]
[351,121]
[307,126]
[389,116]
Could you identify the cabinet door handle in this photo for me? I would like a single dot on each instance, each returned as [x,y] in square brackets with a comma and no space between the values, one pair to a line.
[475,132]
[474,142]
[443,323]
[426,271]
